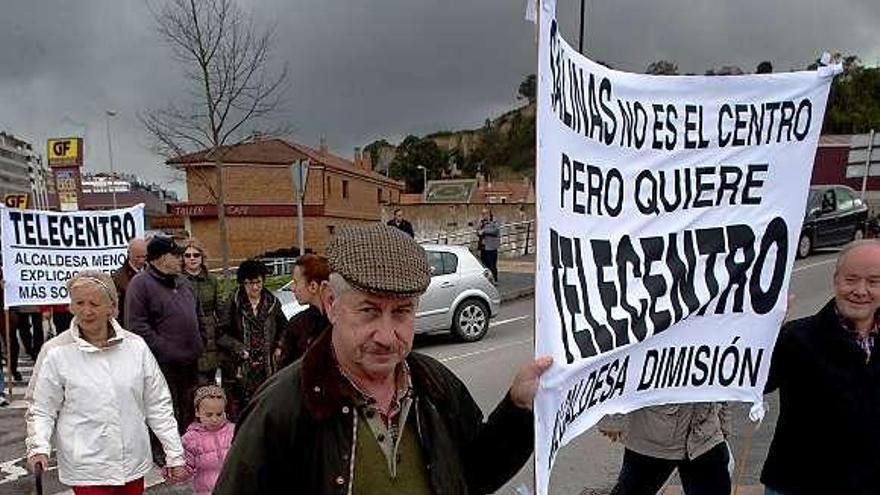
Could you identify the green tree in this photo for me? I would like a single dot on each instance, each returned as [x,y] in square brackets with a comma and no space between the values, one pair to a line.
[854,100]
[528,88]
[372,150]
[506,145]
[415,152]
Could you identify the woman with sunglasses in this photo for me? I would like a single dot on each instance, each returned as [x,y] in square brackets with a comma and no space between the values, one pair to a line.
[208,293]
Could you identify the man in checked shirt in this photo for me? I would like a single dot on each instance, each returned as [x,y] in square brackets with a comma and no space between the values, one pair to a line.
[827,370]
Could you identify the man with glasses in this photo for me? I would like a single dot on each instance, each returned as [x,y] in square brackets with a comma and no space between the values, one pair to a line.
[162,307]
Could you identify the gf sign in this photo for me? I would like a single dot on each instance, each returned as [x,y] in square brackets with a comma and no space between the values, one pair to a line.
[65,152]
[16,200]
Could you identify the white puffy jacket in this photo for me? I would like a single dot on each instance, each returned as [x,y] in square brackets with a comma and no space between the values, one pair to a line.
[97,402]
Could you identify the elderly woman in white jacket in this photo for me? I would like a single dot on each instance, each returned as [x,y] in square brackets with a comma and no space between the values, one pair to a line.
[95,389]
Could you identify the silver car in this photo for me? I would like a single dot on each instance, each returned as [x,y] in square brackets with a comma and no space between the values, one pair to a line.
[462,297]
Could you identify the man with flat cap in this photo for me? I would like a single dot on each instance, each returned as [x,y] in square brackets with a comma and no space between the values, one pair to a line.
[162,307]
[362,414]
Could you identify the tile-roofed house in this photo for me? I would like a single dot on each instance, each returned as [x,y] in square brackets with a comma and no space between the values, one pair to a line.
[260,204]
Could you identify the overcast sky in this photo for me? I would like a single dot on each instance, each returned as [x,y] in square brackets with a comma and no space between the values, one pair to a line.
[361,70]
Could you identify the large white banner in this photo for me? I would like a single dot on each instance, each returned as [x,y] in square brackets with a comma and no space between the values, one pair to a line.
[43,249]
[669,213]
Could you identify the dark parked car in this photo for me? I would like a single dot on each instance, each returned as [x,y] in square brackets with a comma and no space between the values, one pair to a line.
[835,215]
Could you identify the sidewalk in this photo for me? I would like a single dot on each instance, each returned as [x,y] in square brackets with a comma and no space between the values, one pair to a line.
[516,278]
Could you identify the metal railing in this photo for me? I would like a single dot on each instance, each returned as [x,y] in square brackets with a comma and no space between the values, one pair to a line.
[516,239]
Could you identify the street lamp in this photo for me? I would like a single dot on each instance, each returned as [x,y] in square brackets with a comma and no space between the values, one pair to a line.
[424,180]
[107,115]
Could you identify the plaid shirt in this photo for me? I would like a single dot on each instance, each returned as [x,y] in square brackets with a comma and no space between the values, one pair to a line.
[866,342]
[387,426]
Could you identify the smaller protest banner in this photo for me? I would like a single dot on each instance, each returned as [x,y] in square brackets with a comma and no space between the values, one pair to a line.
[43,249]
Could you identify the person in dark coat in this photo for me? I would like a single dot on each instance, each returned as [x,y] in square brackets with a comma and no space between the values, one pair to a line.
[162,307]
[489,240]
[401,223]
[134,264]
[826,368]
[310,274]
[360,413]
[252,327]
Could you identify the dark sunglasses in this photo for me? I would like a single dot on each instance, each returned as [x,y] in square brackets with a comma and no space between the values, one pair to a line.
[192,255]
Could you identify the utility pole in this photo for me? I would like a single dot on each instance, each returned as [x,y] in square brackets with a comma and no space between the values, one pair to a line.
[867,164]
[107,115]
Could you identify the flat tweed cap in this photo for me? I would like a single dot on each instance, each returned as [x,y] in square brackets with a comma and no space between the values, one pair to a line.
[380,259]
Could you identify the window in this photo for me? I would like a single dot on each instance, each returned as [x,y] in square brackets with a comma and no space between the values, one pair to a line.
[442,263]
[435,262]
[329,189]
[450,263]
[845,200]
[345,189]
[379,195]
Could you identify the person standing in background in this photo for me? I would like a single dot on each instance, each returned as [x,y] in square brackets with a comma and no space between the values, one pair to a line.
[489,236]
[401,223]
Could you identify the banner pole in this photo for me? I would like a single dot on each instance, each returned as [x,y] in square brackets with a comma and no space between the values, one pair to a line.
[743,459]
[581,41]
[535,304]
[9,377]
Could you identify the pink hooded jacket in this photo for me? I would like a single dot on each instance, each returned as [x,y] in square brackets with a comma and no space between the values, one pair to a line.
[205,452]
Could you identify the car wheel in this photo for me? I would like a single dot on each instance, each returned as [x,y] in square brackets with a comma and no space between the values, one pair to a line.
[471,320]
[858,235]
[805,246]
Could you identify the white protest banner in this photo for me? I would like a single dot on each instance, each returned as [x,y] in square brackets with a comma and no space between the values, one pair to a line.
[43,249]
[669,213]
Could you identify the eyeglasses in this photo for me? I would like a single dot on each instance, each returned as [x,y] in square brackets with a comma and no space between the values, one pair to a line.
[192,255]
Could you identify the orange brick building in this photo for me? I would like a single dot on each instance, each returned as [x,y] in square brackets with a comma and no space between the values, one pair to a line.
[261,211]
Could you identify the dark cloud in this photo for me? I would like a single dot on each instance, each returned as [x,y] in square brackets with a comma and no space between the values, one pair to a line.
[385,68]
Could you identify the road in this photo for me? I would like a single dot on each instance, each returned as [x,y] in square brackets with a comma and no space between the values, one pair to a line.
[588,466]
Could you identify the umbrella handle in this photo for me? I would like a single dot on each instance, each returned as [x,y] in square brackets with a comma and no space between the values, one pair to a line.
[38,475]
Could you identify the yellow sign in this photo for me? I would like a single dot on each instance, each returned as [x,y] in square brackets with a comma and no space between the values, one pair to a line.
[16,200]
[64,152]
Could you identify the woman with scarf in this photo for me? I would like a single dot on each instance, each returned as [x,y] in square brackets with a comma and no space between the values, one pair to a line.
[252,328]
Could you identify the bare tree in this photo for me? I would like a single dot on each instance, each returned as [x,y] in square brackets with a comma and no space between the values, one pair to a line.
[232,91]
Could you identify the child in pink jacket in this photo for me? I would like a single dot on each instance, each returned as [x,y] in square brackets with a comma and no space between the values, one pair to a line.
[207,440]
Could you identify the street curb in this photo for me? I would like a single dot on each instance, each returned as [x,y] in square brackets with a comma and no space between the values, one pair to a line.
[517,294]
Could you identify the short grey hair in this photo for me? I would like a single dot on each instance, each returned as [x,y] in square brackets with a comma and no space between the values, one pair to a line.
[874,243]
[339,285]
[95,278]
